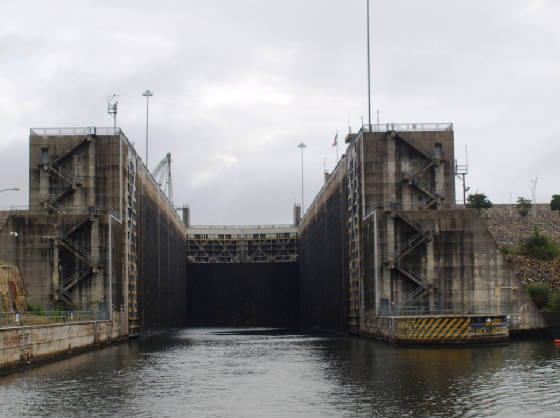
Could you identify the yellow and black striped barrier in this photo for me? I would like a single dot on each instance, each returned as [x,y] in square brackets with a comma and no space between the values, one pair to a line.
[450,329]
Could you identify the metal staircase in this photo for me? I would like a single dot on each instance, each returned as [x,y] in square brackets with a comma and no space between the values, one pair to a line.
[73,148]
[54,206]
[413,144]
[406,247]
[414,180]
[419,237]
[77,250]
[70,184]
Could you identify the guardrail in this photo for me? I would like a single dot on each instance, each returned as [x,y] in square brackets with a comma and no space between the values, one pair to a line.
[71,131]
[454,310]
[14,319]
[408,127]
[240,226]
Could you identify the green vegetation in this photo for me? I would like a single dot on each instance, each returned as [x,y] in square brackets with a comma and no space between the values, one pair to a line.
[539,246]
[507,250]
[540,293]
[478,201]
[554,303]
[555,202]
[34,307]
[544,298]
[5,263]
[523,206]
[536,245]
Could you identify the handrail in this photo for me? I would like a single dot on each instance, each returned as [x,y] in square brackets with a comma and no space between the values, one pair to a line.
[8,319]
[407,244]
[408,127]
[80,250]
[241,226]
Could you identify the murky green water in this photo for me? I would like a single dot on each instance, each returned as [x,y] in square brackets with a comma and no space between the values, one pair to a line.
[227,373]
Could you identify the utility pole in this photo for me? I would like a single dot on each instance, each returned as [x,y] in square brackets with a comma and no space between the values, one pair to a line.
[147,94]
[302,146]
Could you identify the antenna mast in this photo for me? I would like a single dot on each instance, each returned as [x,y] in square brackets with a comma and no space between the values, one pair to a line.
[112,108]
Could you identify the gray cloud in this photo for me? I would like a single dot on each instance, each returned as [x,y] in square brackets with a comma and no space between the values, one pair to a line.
[239,84]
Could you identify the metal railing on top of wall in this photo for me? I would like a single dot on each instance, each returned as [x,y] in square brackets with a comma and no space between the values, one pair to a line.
[408,127]
[14,319]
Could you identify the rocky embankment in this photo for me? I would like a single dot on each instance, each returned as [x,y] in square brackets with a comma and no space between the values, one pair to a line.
[509,229]
[11,288]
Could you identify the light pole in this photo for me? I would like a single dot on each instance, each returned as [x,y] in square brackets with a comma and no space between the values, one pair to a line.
[16,189]
[368,71]
[302,146]
[534,197]
[147,94]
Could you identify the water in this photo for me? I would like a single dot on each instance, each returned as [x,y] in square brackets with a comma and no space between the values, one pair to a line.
[267,373]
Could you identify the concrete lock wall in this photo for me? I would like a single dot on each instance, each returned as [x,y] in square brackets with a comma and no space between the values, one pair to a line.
[162,291]
[24,346]
[99,230]
[407,248]
[323,235]
[464,269]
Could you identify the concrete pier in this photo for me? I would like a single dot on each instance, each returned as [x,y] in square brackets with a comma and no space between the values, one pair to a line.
[99,233]
[410,252]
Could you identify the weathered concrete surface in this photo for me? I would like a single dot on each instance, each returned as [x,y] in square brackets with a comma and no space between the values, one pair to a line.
[24,346]
[409,251]
[32,251]
[99,234]
[323,235]
[465,271]
[161,255]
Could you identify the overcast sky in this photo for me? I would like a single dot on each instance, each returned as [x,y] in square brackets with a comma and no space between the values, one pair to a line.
[239,84]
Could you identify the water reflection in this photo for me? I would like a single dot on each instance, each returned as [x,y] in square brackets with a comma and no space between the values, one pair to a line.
[264,373]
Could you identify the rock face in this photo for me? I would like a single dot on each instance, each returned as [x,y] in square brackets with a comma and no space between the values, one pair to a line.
[530,270]
[11,288]
[509,229]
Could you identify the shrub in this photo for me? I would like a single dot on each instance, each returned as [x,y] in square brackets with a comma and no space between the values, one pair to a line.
[555,202]
[539,246]
[554,302]
[523,206]
[540,293]
[34,307]
[507,250]
[478,201]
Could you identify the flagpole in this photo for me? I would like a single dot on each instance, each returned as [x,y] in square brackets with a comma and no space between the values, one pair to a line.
[335,144]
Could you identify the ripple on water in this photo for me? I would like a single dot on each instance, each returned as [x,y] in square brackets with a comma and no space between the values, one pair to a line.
[272,373]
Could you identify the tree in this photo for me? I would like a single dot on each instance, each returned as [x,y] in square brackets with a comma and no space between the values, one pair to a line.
[555,202]
[523,206]
[478,201]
